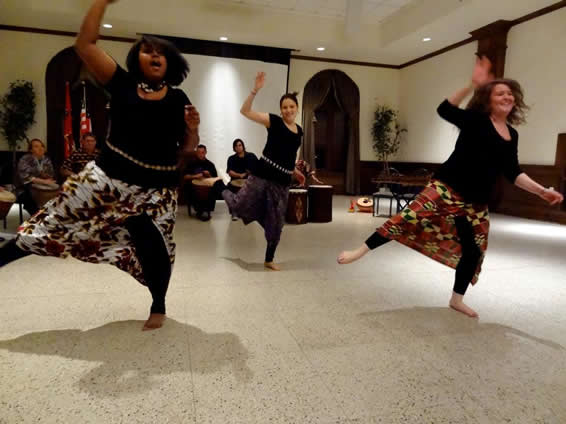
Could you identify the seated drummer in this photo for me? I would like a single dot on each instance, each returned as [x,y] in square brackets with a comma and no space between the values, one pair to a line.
[199,169]
[33,168]
[77,161]
[306,173]
[241,164]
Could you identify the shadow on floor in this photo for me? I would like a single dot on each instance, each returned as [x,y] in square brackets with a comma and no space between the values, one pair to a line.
[293,265]
[128,358]
[435,322]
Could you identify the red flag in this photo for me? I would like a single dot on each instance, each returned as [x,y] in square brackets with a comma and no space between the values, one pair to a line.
[86,125]
[69,143]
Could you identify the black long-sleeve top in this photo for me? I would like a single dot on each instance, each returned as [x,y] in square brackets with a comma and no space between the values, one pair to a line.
[480,155]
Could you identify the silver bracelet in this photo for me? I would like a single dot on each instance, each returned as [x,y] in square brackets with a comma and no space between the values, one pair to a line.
[545,189]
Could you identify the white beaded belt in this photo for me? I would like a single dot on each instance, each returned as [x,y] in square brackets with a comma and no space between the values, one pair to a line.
[276,166]
[139,162]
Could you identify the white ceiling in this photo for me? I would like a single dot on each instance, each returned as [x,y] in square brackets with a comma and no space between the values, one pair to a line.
[374,10]
[378,31]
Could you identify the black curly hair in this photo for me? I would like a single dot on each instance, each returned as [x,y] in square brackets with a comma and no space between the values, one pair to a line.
[177,66]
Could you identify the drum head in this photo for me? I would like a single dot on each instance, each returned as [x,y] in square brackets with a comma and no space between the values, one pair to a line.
[240,182]
[297,190]
[207,182]
[45,187]
[364,202]
[7,196]
[320,186]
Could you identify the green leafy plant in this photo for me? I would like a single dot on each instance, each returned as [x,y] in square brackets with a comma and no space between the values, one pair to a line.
[386,133]
[17,114]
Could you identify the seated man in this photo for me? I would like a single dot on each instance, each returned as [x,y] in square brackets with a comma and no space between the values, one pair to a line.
[202,169]
[33,168]
[241,164]
[77,161]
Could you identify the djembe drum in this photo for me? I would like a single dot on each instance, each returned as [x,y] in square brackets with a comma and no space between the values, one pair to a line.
[7,199]
[202,187]
[320,203]
[43,193]
[297,206]
[201,191]
[236,184]
[365,204]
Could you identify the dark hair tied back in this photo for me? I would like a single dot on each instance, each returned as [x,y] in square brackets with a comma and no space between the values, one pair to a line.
[292,96]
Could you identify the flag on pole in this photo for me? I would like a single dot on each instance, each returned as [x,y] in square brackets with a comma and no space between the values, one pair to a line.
[69,142]
[86,125]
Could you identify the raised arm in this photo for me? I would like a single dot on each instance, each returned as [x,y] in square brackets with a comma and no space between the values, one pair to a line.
[246,109]
[98,62]
[449,109]
[480,75]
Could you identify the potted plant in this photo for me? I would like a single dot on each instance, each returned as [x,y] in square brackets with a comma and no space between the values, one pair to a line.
[386,133]
[17,115]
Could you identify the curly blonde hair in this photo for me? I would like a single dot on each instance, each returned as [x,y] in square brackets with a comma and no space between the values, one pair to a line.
[481,100]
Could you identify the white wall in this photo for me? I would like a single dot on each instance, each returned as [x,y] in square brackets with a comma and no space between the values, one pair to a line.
[377,86]
[536,57]
[423,86]
[26,55]
[218,86]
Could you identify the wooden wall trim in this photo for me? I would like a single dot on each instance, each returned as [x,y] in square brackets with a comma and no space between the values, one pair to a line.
[540,12]
[345,62]
[231,50]
[438,52]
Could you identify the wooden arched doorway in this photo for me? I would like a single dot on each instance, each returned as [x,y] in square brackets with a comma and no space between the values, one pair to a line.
[66,66]
[331,120]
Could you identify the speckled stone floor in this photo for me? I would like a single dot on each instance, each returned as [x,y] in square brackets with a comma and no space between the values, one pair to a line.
[371,342]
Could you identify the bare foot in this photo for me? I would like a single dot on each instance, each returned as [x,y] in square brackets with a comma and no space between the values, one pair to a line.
[154,322]
[465,309]
[272,265]
[349,256]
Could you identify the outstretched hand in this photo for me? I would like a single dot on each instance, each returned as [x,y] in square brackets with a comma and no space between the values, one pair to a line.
[552,196]
[192,117]
[300,177]
[259,81]
[482,72]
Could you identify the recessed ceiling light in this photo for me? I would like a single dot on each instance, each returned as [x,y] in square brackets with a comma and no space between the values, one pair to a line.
[223,38]
[107,25]
[427,39]
[321,49]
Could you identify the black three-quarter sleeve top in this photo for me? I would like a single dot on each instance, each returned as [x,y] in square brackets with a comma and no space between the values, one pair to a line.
[480,155]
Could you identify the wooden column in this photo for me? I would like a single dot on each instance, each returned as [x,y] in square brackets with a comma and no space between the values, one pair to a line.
[560,162]
[492,42]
